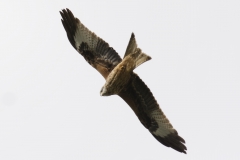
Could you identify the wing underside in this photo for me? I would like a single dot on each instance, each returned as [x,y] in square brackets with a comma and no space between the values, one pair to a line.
[95,50]
[141,100]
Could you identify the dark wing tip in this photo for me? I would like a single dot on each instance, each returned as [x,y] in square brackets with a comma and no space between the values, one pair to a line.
[70,24]
[174,141]
[66,11]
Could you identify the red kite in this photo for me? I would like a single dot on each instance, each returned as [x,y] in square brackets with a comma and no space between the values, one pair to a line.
[121,80]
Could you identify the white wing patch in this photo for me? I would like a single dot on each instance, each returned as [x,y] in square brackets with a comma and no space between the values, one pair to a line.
[85,35]
[164,126]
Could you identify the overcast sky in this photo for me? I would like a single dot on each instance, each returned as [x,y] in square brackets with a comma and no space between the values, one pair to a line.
[50,103]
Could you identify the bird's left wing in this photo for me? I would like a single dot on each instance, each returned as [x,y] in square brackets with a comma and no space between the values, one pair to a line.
[141,100]
[95,50]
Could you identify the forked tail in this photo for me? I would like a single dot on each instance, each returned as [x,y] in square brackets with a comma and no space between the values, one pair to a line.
[136,53]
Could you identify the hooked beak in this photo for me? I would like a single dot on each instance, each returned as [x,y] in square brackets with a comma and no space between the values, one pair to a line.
[103,92]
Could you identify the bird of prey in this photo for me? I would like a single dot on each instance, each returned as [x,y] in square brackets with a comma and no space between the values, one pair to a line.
[121,80]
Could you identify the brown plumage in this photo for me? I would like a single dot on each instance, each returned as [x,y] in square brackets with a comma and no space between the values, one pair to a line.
[121,80]
[119,77]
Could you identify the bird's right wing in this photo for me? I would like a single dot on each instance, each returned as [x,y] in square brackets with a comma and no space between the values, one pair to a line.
[95,50]
[141,100]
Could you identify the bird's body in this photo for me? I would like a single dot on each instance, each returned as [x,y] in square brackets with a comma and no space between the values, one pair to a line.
[121,80]
[119,77]
[116,81]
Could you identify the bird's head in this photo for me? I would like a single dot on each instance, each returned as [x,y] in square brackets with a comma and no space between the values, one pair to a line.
[104,92]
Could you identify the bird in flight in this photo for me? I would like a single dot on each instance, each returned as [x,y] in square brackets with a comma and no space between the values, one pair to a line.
[121,80]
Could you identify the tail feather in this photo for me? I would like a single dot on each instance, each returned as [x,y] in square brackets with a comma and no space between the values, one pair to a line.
[139,57]
[135,53]
[132,45]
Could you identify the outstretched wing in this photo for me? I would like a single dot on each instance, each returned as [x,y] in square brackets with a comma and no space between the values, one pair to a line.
[95,50]
[141,100]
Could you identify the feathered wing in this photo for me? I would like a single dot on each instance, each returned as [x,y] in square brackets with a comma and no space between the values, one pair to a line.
[141,100]
[95,50]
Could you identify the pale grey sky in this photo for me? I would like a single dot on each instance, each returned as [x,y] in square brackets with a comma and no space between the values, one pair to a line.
[50,103]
